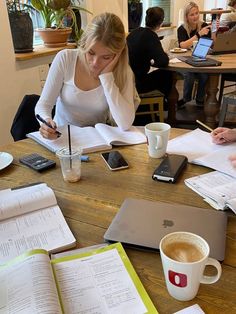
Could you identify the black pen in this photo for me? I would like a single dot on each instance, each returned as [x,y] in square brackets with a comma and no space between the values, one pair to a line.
[47,124]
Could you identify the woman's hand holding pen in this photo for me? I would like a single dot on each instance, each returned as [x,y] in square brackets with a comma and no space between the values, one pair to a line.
[223,135]
[49,132]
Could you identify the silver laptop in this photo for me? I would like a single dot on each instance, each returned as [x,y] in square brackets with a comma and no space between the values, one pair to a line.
[225,43]
[143,223]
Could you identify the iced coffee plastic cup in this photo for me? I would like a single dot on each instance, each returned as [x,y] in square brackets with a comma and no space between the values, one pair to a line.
[70,163]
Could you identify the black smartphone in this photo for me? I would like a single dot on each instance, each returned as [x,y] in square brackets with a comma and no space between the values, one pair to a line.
[170,168]
[114,160]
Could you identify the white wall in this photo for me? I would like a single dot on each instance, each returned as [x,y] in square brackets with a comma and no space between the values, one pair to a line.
[14,83]
[119,7]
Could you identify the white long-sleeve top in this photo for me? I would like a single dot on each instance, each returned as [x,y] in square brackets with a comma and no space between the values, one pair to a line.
[86,108]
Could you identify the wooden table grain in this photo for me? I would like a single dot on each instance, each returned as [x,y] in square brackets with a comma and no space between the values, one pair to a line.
[90,205]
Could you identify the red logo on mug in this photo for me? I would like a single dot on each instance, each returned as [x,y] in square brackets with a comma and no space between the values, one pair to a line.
[177,279]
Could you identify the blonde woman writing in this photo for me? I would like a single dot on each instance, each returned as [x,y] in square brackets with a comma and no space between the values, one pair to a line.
[93,83]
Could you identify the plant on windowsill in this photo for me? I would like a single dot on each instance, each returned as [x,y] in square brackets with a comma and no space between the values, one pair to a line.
[21,26]
[54,14]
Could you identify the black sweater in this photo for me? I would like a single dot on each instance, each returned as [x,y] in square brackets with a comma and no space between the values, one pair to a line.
[144,45]
[183,35]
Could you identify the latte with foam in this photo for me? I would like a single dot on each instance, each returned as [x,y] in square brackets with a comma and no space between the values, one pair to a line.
[184,252]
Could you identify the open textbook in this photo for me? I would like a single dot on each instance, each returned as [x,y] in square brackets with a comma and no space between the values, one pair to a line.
[198,147]
[101,281]
[92,139]
[218,189]
[30,218]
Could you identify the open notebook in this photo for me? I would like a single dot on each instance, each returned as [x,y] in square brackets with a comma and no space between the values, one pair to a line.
[92,139]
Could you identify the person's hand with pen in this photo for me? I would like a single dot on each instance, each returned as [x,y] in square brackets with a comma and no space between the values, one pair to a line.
[48,128]
[225,135]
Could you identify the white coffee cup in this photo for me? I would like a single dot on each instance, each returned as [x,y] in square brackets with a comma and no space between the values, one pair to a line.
[184,257]
[157,134]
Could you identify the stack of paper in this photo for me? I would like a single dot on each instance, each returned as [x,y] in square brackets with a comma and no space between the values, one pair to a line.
[218,189]
[199,148]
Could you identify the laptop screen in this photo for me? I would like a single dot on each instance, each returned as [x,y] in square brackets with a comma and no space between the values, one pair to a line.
[202,47]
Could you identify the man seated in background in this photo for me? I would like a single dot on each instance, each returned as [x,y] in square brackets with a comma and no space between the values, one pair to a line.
[145,51]
[228,19]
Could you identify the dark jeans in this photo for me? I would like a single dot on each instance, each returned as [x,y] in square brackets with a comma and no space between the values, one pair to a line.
[158,79]
[189,79]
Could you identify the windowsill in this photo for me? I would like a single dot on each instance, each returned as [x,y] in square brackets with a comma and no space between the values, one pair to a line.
[41,51]
[164,28]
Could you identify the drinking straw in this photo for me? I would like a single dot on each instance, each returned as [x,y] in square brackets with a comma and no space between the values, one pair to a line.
[69,141]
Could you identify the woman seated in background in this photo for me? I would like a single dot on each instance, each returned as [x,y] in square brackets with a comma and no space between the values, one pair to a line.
[93,83]
[190,31]
[225,135]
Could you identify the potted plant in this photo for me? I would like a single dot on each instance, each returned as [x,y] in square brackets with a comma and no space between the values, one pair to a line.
[54,13]
[135,13]
[21,26]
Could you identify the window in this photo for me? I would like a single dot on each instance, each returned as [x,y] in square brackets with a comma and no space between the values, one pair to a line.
[164,4]
[37,23]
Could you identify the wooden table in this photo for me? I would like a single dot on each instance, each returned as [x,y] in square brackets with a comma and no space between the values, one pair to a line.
[211,106]
[90,205]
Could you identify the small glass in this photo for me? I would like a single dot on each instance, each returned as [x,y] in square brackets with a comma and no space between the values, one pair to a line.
[70,163]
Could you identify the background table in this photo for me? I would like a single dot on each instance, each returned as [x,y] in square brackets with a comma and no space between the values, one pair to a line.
[213,11]
[211,106]
[90,205]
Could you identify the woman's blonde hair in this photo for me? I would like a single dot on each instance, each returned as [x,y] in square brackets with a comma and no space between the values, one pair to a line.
[187,9]
[108,29]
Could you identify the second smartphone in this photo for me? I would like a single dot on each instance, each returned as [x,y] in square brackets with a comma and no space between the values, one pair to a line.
[114,160]
[170,168]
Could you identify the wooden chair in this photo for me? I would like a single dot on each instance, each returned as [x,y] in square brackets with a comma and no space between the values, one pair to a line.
[229,99]
[152,99]
[231,77]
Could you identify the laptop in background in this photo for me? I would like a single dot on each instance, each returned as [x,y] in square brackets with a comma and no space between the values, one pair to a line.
[198,58]
[225,43]
[143,223]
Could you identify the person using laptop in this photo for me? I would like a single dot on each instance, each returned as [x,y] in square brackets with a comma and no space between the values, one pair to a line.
[192,29]
[223,135]
[145,51]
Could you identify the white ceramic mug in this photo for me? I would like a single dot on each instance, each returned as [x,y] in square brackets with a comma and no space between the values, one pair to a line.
[157,134]
[184,257]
